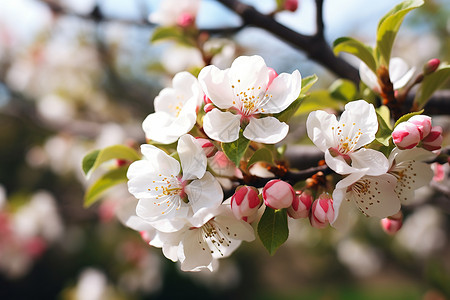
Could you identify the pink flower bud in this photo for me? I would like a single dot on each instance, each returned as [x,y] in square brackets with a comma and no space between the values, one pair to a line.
[406,135]
[245,203]
[300,205]
[185,20]
[322,211]
[206,100]
[207,146]
[431,66]
[423,123]
[35,246]
[208,107]
[278,194]
[291,5]
[272,75]
[393,223]
[433,140]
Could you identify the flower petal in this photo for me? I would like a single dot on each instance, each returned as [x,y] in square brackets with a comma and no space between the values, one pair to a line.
[221,126]
[193,251]
[342,209]
[284,90]
[204,193]
[399,72]
[359,116]
[192,157]
[319,127]
[411,175]
[338,164]
[368,77]
[248,72]
[375,196]
[160,159]
[216,85]
[375,161]
[266,130]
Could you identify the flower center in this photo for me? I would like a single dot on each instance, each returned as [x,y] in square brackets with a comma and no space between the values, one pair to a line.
[347,137]
[169,190]
[249,100]
[217,235]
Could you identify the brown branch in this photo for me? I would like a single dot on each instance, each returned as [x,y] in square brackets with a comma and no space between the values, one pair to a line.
[314,46]
[319,19]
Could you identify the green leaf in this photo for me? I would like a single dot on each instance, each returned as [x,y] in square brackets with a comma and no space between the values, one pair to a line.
[431,83]
[389,26]
[236,150]
[171,33]
[406,117]
[343,89]
[262,154]
[89,161]
[385,114]
[95,158]
[307,83]
[287,114]
[318,100]
[384,132]
[109,179]
[355,47]
[273,230]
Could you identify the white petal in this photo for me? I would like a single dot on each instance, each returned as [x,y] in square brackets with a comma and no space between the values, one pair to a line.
[411,175]
[399,72]
[126,213]
[168,207]
[368,77]
[375,196]
[216,85]
[342,209]
[192,157]
[169,225]
[165,128]
[187,87]
[374,160]
[266,130]
[284,89]
[338,164]
[142,167]
[204,193]
[221,126]
[319,127]
[194,251]
[247,72]
[359,116]
[160,159]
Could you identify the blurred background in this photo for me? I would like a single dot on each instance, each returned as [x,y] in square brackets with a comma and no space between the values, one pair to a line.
[78,75]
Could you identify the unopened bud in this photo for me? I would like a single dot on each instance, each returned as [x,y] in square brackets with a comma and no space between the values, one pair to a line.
[245,203]
[208,107]
[185,20]
[272,75]
[322,211]
[406,135]
[208,147]
[301,205]
[291,5]
[393,223]
[206,100]
[431,66]
[433,140]
[278,194]
[423,124]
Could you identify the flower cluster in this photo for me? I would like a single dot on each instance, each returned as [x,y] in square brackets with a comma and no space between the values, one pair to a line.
[214,135]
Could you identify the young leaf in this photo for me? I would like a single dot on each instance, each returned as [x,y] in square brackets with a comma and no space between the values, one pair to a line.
[389,26]
[307,83]
[262,154]
[236,150]
[358,49]
[95,158]
[384,132]
[406,117]
[273,230]
[343,89]
[430,84]
[109,179]
[171,33]
[320,99]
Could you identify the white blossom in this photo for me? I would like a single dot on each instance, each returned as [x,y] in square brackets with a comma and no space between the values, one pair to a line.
[343,140]
[244,93]
[175,110]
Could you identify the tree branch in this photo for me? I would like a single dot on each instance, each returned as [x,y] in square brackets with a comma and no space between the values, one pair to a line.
[314,46]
